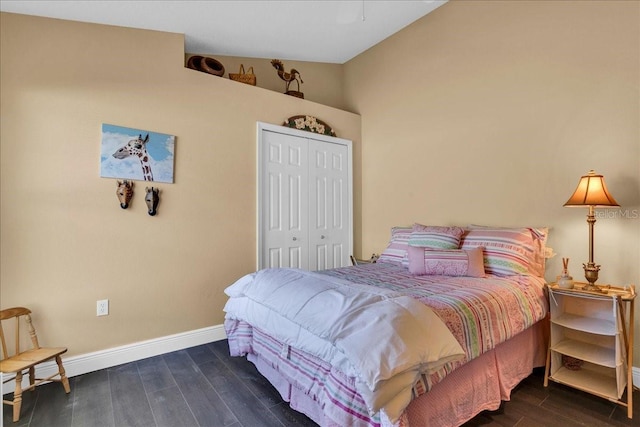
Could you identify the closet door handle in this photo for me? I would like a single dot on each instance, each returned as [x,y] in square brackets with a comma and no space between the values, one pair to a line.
[295,238]
[322,237]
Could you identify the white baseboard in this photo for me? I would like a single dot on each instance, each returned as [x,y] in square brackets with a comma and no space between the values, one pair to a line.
[85,363]
[636,376]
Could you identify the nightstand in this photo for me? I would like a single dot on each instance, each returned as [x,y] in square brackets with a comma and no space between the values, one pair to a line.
[591,341]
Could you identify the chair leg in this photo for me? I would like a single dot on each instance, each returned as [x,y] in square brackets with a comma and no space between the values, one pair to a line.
[17,397]
[63,375]
[32,378]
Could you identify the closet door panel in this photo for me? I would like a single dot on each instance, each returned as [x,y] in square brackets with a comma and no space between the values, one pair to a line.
[284,184]
[328,205]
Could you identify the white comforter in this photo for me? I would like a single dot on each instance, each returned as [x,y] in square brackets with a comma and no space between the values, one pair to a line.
[383,339]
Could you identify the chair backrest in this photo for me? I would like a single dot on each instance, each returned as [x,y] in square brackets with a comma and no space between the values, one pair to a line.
[16,314]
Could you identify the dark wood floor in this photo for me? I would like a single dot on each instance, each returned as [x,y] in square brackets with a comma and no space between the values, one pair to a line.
[203,386]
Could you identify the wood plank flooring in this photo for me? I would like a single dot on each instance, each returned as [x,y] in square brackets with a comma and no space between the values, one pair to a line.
[204,386]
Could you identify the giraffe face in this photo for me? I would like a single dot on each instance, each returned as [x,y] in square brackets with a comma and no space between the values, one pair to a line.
[135,147]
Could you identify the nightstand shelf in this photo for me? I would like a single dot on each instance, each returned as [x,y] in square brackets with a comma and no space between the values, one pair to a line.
[591,341]
[599,355]
[592,325]
[588,380]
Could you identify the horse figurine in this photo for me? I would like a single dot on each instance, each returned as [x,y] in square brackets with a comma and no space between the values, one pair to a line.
[125,193]
[151,199]
[292,75]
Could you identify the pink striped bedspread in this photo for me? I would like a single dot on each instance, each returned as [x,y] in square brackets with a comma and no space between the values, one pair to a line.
[480,312]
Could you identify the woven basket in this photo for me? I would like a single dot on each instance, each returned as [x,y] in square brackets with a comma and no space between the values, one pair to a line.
[242,77]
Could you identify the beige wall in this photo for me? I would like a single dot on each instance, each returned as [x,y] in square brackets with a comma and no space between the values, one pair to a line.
[65,242]
[489,112]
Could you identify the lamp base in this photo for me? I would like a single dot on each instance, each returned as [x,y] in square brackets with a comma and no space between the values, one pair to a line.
[591,274]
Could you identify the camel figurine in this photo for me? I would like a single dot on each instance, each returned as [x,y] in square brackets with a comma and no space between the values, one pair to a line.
[292,75]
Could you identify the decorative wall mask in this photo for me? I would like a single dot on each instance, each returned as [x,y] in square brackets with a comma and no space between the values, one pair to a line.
[125,193]
[151,199]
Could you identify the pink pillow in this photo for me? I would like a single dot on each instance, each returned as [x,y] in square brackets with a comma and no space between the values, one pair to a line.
[452,262]
[436,237]
[507,251]
[396,251]
[535,254]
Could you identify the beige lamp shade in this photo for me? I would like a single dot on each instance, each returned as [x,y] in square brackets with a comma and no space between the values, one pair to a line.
[591,191]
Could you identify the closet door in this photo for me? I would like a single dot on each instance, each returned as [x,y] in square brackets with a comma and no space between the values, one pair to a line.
[304,199]
[284,184]
[329,229]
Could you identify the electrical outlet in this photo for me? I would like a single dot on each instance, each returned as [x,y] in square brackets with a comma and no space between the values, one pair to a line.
[102,307]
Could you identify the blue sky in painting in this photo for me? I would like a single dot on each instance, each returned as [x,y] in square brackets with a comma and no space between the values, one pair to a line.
[161,148]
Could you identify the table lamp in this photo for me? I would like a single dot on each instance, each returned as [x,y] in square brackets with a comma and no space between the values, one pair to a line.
[592,193]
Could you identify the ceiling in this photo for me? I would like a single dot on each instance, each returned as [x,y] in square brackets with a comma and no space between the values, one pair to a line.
[303,30]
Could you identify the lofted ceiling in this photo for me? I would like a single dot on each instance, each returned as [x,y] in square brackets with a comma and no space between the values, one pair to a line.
[302,30]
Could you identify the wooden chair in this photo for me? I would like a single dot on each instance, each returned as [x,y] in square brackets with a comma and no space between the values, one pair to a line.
[18,361]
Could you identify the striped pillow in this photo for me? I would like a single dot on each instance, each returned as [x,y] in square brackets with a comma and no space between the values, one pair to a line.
[452,262]
[396,251]
[539,235]
[435,237]
[507,251]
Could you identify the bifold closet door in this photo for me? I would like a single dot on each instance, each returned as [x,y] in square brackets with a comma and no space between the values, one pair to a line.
[285,205]
[304,199]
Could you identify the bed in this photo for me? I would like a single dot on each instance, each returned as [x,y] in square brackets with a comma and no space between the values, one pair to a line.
[443,326]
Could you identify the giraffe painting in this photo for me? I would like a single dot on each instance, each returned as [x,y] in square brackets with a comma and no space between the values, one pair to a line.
[136,154]
[138,148]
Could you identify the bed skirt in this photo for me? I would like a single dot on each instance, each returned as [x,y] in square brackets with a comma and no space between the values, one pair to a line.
[479,385]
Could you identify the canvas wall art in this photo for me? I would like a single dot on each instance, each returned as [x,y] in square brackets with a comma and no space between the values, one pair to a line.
[137,154]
